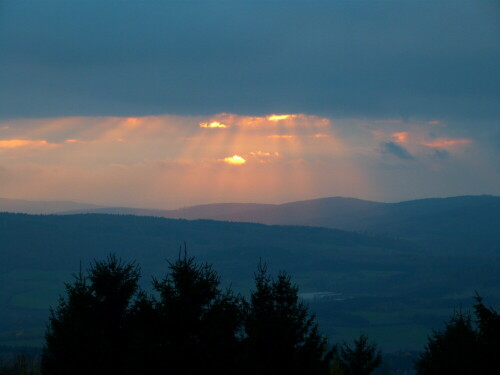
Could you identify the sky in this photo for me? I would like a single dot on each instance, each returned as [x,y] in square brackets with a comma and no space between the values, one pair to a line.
[165,104]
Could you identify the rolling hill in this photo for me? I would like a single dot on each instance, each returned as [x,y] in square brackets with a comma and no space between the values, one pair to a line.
[460,224]
[391,288]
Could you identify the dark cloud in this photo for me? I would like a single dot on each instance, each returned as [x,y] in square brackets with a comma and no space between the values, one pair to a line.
[394,149]
[440,154]
[336,58]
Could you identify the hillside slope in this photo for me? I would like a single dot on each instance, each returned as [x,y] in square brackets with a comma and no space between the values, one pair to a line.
[459,224]
[389,288]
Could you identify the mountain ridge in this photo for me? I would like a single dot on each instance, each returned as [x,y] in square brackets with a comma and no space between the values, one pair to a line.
[463,224]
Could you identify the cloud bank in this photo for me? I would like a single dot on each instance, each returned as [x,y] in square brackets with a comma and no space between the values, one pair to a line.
[170,161]
[352,59]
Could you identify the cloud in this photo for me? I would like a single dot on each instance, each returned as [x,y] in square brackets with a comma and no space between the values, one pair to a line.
[277,118]
[447,142]
[400,137]
[440,154]
[365,59]
[394,149]
[298,120]
[212,125]
[264,157]
[416,137]
[170,161]
[17,143]
[234,160]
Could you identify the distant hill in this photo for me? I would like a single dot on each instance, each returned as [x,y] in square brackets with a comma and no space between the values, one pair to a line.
[294,213]
[464,223]
[387,287]
[41,207]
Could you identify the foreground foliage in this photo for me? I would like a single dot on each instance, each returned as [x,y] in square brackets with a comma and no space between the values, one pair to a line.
[360,359]
[107,325]
[464,347]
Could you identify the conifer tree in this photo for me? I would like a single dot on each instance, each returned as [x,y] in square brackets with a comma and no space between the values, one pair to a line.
[198,323]
[463,347]
[88,331]
[362,359]
[281,336]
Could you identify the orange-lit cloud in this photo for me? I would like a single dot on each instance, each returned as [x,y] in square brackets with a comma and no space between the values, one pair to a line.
[275,120]
[268,158]
[280,117]
[264,157]
[447,142]
[320,136]
[212,125]
[234,160]
[262,153]
[420,136]
[400,136]
[133,121]
[15,143]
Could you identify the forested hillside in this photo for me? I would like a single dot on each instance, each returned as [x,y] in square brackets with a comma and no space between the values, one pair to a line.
[390,288]
[465,223]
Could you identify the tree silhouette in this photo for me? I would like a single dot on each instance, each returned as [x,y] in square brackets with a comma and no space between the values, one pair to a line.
[281,336]
[488,334]
[362,359]
[198,323]
[22,365]
[106,325]
[461,347]
[88,331]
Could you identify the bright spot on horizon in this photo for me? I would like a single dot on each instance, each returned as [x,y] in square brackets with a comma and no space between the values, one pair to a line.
[235,160]
[280,117]
[212,125]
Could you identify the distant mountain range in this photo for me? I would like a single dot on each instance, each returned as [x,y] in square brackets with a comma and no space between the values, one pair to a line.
[395,290]
[406,264]
[41,207]
[467,223]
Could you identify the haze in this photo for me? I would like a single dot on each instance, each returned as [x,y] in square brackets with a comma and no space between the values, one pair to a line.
[170,104]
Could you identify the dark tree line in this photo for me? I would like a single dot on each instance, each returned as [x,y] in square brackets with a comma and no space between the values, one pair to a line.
[465,346]
[107,325]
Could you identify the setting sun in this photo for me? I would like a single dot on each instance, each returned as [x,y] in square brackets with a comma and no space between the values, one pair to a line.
[235,160]
[212,125]
[280,117]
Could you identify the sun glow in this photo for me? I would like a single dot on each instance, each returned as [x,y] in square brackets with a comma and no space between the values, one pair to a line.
[212,125]
[256,156]
[280,117]
[234,160]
